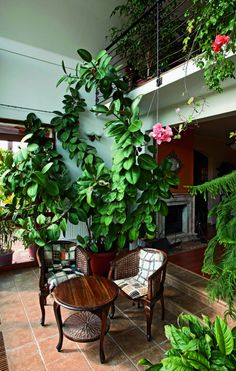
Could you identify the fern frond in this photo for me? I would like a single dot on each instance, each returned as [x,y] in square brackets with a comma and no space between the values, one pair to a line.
[225,184]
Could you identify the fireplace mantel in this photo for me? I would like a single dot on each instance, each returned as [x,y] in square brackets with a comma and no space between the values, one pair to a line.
[187,202]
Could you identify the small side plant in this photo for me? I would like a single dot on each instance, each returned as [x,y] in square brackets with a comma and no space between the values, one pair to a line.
[197,345]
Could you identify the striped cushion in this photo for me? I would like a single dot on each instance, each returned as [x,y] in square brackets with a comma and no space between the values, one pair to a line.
[132,287]
[148,263]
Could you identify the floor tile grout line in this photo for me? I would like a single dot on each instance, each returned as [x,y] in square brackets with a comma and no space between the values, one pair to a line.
[126,355]
[32,331]
[84,355]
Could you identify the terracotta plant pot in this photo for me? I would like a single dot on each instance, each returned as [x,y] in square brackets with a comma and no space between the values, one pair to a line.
[32,251]
[100,262]
[6,258]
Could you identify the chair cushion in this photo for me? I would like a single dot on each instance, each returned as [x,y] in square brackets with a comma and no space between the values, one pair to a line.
[61,254]
[149,262]
[56,277]
[132,287]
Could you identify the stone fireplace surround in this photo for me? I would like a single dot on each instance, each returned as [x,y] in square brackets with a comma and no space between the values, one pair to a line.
[187,202]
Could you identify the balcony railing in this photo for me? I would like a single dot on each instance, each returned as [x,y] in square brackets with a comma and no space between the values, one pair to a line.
[153,44]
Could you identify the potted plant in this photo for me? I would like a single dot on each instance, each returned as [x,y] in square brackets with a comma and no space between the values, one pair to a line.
[197,345]
[7,238]
[38,182]
[7,229]
[118,205]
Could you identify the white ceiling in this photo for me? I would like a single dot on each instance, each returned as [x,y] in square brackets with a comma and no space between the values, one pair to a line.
[57,25]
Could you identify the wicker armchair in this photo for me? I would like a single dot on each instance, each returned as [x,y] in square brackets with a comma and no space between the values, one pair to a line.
[58,262]
[140,276]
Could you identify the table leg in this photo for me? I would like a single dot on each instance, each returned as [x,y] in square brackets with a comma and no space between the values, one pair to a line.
[57,312]
[103,316]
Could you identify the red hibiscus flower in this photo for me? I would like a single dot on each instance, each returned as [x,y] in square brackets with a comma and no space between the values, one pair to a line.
[220,40]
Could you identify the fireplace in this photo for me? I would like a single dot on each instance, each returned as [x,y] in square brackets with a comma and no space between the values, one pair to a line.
[178,225]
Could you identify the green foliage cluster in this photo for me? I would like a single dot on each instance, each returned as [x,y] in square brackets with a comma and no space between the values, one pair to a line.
[138,47]
[38,182]
[118,204]
[198,346]
[209,18]
[221,267]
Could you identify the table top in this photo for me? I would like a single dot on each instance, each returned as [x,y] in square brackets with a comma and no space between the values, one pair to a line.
[85,293]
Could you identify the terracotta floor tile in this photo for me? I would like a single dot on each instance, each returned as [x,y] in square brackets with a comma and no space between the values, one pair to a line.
[114,355]
[76,362]
[135,337]
[50,353]
[185,301]
[15,337]
[14,315]
[44,332]
[25,358]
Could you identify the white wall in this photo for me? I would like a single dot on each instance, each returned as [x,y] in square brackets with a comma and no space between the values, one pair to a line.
[57,25]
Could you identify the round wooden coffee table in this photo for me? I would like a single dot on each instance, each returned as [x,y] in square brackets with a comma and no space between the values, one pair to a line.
[91,297]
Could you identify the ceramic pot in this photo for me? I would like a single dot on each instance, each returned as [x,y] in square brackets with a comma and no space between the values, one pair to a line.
[6,258]
[100,262]
[32,249]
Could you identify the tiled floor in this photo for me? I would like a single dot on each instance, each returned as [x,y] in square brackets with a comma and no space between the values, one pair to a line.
[30,346]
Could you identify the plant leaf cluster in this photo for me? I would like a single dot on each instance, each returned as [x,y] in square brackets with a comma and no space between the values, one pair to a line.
[118,204]
[208,19]
[221,265]
[38,182]
[197,345]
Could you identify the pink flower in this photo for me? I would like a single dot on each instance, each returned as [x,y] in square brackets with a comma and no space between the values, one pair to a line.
[161,134]
[220,40]
[177,110]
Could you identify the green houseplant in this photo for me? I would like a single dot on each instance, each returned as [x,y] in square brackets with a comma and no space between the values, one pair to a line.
[38,181]
[198,346]
[119,205]
[221,267]
[7,227]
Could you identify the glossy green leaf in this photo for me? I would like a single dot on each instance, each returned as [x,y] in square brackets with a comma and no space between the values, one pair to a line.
[128,163]
[41,219]
[100,54]
[85,55]
[135,126]
[100,108]
[74,218]
[133,175]
[47,167]
[52,188]
[53,232]
[147,162]
[174,363]
[224,336]
[136,102]
[32,147]
[32,190]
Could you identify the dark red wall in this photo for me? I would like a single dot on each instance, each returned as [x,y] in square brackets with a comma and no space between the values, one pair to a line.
[184,150]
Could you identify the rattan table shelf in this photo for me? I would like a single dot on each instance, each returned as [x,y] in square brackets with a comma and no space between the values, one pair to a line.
[91,298]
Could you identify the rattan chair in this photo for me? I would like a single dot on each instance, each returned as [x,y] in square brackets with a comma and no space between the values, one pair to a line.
[58,262]
[140,276]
